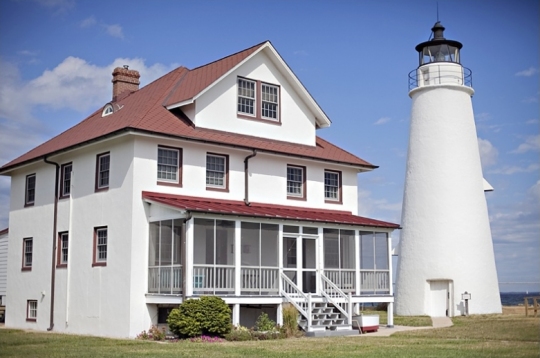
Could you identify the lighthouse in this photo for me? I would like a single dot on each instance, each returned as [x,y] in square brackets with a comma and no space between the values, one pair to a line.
[446,265]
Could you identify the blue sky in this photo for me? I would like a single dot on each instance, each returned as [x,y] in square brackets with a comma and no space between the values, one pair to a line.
[56,59]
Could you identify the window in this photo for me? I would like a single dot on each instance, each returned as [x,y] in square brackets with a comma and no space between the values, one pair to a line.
[246,96]
[31,310]
[65,184]
[169,165]
[108,109]
[30,191]
[27,254]
[258,100]
[100,246]
[165,257]
[103,163]
[217,172]
[269,103]
[62,251]
[332,186]
[296,182]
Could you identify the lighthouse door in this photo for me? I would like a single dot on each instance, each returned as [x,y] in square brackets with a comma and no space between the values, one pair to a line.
[439,298]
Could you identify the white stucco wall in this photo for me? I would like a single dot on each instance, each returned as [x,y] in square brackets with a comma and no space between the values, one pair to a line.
[446,234]
[217,107]
[3,266]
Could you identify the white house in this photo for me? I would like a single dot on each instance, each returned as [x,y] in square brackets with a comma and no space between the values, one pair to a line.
[209,181]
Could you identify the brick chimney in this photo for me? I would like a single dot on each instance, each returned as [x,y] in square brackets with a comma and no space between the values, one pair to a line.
[124,81]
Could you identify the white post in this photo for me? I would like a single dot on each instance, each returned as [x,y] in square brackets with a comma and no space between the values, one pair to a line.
[188,266]
[390,315]
[237,259]
[280,258]
[349,308]
[236,314]
[309,315]
[279,314]
[357,261]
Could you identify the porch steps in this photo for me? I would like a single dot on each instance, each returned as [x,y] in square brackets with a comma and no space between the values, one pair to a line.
[326,320]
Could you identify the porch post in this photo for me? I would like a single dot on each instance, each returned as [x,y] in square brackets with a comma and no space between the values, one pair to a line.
[279,314]
[319,260]
[390,314]
[357,262]
[189,257]
[280,258]
[237,260]
[236,314]
[390,268]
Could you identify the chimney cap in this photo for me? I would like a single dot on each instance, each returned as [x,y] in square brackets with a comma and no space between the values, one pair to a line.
[126,67]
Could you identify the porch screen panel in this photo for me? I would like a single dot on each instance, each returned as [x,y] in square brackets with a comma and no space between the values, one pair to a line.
[165,241]
[367,253]
[347,249]
[203,242]
[224,238]
[289,252]
[331,248]
[177,242]
[153,249]
[250,244]
[381,251]
[269,245]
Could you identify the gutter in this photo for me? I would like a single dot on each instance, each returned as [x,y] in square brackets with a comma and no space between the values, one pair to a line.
[246,177]
[55,221]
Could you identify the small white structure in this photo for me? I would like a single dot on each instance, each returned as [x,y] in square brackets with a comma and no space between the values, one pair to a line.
[446,247]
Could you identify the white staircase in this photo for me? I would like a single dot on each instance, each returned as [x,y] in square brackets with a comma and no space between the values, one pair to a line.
[324,315]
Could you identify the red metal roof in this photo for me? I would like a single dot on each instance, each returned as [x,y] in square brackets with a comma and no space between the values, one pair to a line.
[144,111]
[269,211]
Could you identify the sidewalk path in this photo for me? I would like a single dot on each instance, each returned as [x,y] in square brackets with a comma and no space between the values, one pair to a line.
[437,322]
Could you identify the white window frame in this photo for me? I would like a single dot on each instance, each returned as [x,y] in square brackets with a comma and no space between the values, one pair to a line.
[100,171]
[302,181]
[244,97]
[28,253]
[66,189]
[63,246]
[335,187]
[31,310]
[169,165]
[28,190]
[97,260]
[269,101]
[224,172]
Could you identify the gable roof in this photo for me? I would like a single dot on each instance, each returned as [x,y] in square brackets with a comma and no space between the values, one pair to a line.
[267,211]
[143,111]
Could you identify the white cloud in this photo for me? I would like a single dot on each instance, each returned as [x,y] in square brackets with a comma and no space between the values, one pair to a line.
[532,143]
[531,71]
[114,30]
[88,22]
[483,116]
[509,170]
[488,153]
[530,99]
[381,120]
[535,190]
[59,5]
[532,121]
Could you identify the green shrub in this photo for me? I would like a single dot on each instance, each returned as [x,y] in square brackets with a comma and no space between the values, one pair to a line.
[290,320]
[264,323]
[239,334]
[157,334]
[208,315]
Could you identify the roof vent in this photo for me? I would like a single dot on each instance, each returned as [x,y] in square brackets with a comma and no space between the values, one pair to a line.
[125,81]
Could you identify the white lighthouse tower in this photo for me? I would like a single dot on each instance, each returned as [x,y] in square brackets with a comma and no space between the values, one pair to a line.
[445,248]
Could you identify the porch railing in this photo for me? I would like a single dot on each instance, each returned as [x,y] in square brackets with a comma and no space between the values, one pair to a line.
[345,279]
[334,295]
[259,280]
[165,279]
[210,279]
[374,282]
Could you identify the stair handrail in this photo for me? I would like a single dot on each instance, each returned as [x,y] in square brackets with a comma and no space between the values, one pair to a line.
[336,291]
[303,298]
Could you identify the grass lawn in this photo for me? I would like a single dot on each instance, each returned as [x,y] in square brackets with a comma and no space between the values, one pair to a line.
[508,335]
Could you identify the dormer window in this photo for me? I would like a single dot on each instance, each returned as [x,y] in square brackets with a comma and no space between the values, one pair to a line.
[258,100]
[108,109]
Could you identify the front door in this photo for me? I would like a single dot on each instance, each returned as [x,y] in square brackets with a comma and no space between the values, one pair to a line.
[440,294]
[309,262]
[299,262]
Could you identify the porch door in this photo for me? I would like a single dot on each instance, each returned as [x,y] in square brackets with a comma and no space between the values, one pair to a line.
[309,265]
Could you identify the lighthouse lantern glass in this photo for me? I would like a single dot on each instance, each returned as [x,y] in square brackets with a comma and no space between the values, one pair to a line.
[439,53]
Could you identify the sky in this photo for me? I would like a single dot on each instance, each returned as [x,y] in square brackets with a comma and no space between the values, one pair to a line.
[56,59]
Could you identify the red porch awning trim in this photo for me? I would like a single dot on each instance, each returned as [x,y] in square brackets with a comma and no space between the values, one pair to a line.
[232,207]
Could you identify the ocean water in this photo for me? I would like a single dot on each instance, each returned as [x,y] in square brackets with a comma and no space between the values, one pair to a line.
[516,298]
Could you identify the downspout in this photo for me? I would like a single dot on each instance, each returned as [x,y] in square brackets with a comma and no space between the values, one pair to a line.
[184,255]
[246,177]
[55,221]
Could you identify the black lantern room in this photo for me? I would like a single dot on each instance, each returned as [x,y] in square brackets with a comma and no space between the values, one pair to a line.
[438,49]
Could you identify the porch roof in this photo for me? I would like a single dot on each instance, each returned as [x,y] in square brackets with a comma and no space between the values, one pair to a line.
[269,211]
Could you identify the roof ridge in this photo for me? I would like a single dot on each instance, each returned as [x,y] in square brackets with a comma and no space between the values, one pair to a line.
[231,55]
